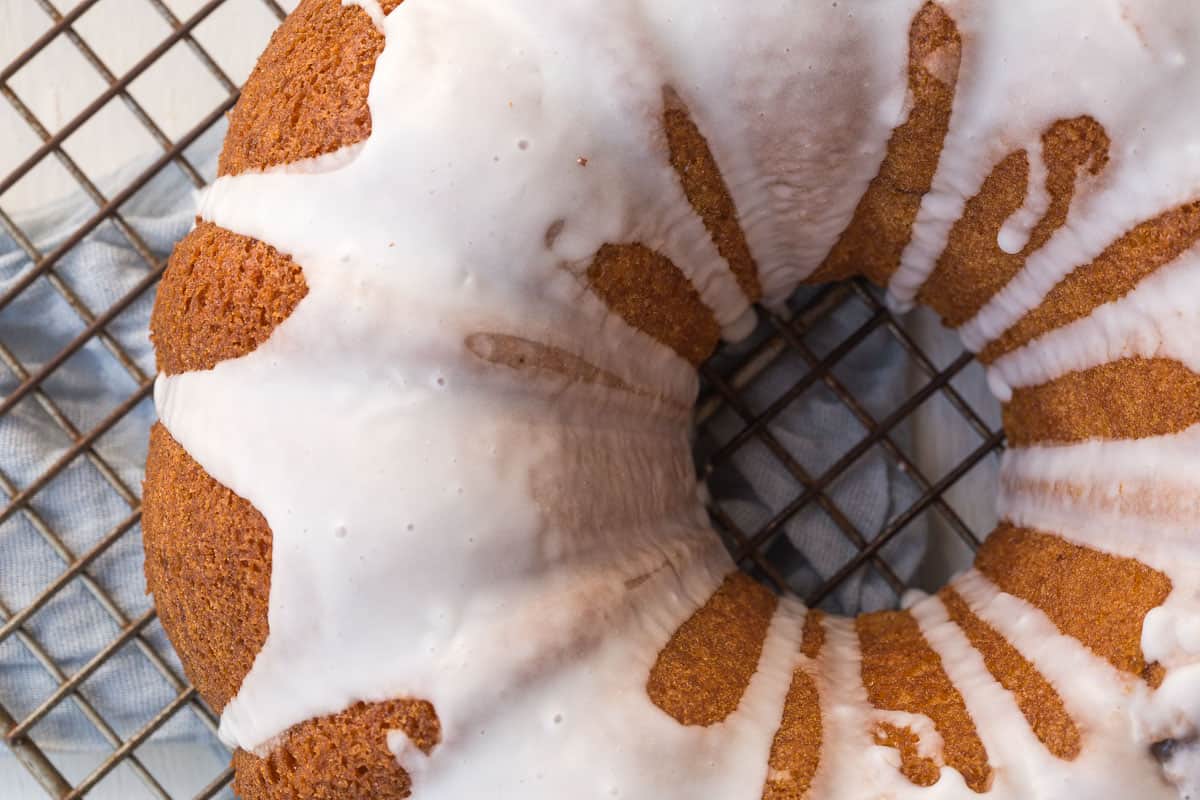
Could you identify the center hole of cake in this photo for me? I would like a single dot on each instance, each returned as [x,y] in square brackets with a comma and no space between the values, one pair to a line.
[844,450]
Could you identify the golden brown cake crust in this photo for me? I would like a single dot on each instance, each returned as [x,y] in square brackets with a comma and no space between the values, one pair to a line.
[208,565]
[1071,149]
[973,267]
[340,757]
[901,672]
[706,191]
[650,293]
[209,552]
[882,223]
[814,633]
[1097,598]
[221,297]
[1037,699]
[701,674]
[919,770]
[1115,272]
[307,96]
[1127,399]
[796,748]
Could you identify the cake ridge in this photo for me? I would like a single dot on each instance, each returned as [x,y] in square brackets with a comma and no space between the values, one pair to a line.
[1152,320]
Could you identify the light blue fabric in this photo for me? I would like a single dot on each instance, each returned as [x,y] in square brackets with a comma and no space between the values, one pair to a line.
[81,506]
[817,429]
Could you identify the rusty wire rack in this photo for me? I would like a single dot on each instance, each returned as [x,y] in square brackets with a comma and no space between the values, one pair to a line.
[884,431]
[729,423]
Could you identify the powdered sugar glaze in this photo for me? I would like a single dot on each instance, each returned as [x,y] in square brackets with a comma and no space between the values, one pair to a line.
[429,537]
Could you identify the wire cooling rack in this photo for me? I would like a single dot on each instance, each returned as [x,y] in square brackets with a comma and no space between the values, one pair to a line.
[729,420]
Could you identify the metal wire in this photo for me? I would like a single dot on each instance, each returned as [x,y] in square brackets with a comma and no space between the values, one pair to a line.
[724,393]
[787,336]
[17,733]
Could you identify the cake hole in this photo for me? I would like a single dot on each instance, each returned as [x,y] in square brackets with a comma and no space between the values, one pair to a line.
[1179,760]
[775,412]
[1163,749]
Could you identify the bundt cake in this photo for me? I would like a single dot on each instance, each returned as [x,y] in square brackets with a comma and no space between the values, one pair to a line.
[421,516]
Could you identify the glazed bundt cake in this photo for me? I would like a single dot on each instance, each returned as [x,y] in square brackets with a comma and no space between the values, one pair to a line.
[421,516]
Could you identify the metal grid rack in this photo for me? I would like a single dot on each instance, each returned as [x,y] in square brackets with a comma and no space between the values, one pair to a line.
[779,335]
[137,631]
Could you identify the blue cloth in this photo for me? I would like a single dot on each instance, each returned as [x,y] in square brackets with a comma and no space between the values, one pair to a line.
[816,429]
[81,506]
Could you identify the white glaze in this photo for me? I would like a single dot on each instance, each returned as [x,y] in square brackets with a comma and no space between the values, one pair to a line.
[1028,65]
[1152,480]
[1158,319]
[852,764]
[1097,696]
[1135,499]
[1015,232]
[1096,492]
[448,529]
[1022,764]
